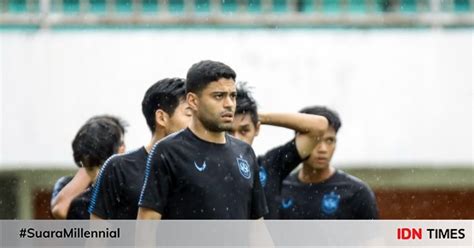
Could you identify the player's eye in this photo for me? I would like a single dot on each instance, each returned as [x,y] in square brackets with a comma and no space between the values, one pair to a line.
[330,141]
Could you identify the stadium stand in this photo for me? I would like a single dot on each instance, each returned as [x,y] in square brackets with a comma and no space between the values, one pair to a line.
[364,13]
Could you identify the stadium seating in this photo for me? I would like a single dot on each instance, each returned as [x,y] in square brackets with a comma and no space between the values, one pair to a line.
[230,6]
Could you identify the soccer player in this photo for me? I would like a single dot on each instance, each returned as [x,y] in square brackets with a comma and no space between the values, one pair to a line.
[68,188]
[95,141]
[320,191]
[278,162]
[120,181]
[202,172]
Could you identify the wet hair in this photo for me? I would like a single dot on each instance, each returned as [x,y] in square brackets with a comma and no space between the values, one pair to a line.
[122,124]
[205,72]
[98,139]
[166,95]
[246,104]
[331,115]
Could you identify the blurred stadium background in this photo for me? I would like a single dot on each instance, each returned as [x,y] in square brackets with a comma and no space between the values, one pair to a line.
[398,71]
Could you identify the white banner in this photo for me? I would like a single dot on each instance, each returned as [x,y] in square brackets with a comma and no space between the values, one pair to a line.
[404,96]
[206,233]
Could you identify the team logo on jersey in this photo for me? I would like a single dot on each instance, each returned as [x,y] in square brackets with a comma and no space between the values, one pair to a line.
[262,174]
[286,203]
[200,168]
[330,203]
[244,167]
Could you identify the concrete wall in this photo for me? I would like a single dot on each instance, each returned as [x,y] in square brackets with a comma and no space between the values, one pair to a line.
[405,97]
[423,193]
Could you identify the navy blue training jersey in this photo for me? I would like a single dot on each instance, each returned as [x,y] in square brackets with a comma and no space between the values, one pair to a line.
[78,208]
[118,186]
[341,196]
[275,165]
[189,178]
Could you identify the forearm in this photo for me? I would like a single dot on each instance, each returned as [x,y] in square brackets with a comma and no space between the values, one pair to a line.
[148,214]
[301,123]
[309,128]
[60,204]
[95,217]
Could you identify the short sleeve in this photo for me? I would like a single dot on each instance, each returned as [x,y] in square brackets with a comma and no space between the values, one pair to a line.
[282,159]
[106,190]
[157,183]
[259,204]
[365,204]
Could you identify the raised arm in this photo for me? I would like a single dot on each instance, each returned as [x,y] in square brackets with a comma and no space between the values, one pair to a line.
[60,204]
[309,128]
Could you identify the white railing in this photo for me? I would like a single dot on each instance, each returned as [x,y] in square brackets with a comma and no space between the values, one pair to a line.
[430,13]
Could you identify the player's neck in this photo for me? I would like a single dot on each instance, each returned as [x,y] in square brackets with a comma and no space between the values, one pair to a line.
[157,135]
[92,173]
[307,174]
[199,130]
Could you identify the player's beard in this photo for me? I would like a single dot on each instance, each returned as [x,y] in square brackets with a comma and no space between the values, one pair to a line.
[213,124]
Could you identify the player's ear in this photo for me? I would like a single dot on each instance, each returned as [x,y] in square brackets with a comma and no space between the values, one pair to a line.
[257,128]
[161,118]
[122,148]
[192,100]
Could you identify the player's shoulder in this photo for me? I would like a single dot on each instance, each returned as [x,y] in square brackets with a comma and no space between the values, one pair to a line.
[120,160]
[352,180]
[236,142]
[292,179]
[284,150]
[168,144]
[240,146]
[174,139]
[118,163]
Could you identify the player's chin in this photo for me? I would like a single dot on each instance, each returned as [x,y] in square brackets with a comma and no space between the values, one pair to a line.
[225,126]
[319,166]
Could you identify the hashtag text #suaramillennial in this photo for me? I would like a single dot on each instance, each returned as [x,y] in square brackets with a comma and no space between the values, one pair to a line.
[75,232]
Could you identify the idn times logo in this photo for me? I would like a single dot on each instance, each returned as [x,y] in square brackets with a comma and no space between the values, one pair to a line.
[406,233]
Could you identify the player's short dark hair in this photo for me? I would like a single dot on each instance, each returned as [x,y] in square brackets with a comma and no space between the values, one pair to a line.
[122,124]
[166,95]
[98,139]
[246,104]
[204,72]
[331,115]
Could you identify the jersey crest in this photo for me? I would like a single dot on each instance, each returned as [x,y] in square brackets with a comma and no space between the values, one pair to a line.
[330,203]
[244,167]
